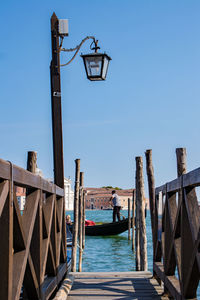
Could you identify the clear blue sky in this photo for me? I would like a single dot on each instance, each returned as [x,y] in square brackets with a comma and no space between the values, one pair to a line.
[151,98]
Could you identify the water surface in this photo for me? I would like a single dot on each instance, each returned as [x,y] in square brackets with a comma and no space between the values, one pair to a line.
[111,253]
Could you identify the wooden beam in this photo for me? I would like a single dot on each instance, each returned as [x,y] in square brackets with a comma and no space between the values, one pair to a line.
[25,178]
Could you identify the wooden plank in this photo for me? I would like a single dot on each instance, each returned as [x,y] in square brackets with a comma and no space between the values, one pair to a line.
[144,274]
[114,285]
[159,189]
[50,283]
[174,185]
[192,178]
[171,282]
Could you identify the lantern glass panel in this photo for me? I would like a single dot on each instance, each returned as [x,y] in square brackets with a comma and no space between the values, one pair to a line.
[93,65]
[105,67]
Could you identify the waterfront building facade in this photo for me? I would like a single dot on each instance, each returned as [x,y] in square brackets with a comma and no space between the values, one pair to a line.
[98,198]
[69,194]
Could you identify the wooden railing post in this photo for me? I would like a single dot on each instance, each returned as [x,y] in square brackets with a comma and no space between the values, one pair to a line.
[76,207]
[81,222]
[140,198]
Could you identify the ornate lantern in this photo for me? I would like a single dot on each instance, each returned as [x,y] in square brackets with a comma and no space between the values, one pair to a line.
[96,64]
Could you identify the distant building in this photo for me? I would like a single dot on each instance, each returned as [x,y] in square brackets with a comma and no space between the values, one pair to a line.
[98,198]
[21,197]
[69,194]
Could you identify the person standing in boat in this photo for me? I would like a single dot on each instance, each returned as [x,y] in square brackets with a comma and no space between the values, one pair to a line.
[116,203]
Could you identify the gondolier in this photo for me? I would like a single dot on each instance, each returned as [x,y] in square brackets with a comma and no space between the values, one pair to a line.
[116,203]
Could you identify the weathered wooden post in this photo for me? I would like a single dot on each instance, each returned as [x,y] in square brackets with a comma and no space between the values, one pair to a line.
[31,165]
[181,161]
[133,220]
[151,186]
[81,222]
[76,206]
[32,161]
[137,224]
[129,219]
[181,166]
[84,199]
[140,198]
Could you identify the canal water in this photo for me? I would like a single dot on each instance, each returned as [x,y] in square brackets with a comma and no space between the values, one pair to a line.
[111,253]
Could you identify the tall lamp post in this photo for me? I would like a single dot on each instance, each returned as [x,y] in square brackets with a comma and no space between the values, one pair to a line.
[96,66]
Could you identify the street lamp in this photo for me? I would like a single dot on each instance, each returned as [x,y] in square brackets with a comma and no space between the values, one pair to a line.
[96,66]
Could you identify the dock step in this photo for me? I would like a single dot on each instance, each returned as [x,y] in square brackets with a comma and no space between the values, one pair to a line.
[115,285]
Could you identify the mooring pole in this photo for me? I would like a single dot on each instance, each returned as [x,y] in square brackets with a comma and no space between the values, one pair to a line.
[84,199]
[140,198]
[81,222]
[151,186]
[137,223]
[133,220]
[76,208]
[129,219]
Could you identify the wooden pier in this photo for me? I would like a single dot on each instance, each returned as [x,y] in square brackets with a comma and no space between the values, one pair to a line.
[115,285]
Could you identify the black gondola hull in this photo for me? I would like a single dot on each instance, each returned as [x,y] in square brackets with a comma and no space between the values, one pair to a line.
[107,228]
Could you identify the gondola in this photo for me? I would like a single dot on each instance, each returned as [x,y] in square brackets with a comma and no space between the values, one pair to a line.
[106,229]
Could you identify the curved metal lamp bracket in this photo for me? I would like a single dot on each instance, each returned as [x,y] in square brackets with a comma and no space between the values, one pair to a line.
[77,48]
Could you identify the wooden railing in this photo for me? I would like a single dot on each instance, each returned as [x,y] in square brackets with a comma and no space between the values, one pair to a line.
[177,236]
[32,242]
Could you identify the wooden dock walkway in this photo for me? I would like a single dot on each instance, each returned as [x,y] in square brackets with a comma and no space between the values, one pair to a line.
[115,285]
